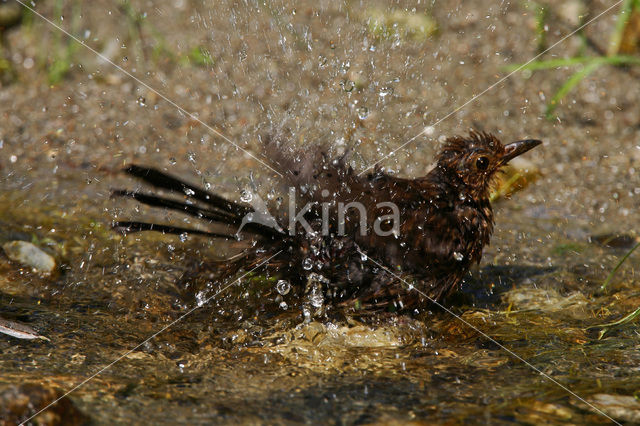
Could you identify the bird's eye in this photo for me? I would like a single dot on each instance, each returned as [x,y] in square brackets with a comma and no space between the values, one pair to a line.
[482,163]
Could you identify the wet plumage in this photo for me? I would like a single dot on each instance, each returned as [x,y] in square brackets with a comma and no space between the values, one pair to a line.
[445,221]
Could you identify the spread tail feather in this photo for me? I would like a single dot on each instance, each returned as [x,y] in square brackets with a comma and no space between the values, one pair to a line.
[164,181]
[190,209]
[130,227]
[219,210]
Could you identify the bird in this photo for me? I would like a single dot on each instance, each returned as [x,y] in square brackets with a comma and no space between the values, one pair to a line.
[359,237]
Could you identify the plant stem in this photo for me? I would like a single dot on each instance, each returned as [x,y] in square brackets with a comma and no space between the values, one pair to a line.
[612,273]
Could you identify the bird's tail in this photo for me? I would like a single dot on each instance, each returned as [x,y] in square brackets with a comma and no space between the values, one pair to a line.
[195,202]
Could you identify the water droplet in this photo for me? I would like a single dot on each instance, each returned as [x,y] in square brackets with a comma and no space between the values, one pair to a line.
[283,305]
[363,113]
[183,237]
[316,298]
[201,298]
[307,264]
[283,287]
[246,196]
[458,256]
[348,85]
[385,91]
[141,101]
[364,257]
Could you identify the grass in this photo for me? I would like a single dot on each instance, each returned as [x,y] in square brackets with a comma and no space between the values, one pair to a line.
[568,248]
[399,24]
[604,328]
[138,27]
[198,56]
[607,281]
[135,20]
[58,55]
[541,13]
[624,19]
[609,326]
[63,52]
[585,64]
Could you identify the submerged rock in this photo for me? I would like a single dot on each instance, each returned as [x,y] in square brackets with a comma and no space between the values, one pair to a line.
[621,407]
[19,403]
[30,255]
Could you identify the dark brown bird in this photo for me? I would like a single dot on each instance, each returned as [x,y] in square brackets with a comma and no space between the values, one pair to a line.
[430,229]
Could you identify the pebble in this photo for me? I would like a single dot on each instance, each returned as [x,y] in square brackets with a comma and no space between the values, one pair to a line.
[30,255]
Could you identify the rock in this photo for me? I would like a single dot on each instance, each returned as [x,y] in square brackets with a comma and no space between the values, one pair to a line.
[621,407]
[30,255]
[19,403]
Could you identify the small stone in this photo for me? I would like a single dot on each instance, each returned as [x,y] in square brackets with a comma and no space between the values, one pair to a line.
[621,407]
[19,403]
[30,255]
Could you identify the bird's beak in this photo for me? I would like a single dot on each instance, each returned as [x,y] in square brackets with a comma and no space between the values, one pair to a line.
[514,149]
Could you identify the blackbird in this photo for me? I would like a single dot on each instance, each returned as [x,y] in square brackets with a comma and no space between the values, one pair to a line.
[338,225]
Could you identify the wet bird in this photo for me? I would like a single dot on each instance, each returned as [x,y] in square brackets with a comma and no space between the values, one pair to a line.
[429,230]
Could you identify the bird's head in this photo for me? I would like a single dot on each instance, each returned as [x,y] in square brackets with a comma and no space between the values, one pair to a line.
[475,159]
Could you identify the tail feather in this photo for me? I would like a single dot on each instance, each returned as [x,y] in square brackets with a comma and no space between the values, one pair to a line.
[190,209]
[164,181]
[130,227]
[213,215]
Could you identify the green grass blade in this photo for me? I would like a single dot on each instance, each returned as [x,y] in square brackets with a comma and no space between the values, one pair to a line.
[606,327]
[621,23]
[545,65]
[571,82]
[568,62]
[612,273]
